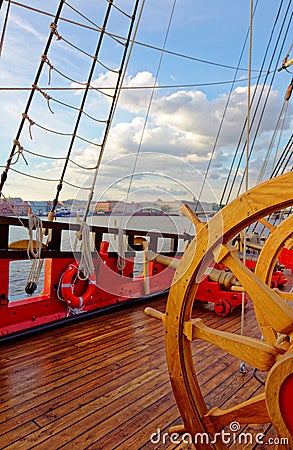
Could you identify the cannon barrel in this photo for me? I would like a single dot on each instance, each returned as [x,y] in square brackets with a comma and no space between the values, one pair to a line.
[227,279]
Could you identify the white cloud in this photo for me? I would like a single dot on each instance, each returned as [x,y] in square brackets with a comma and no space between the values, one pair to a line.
[181,128]
[25,26]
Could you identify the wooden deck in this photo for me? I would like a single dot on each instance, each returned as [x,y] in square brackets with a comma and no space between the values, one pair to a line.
[103,384]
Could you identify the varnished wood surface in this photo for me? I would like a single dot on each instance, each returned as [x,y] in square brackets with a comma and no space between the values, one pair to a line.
[103,384]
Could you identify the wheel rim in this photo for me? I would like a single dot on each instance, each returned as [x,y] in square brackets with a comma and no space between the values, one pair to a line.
[248,208]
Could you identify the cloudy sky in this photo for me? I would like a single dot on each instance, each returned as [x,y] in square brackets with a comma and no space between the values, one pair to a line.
[161,139]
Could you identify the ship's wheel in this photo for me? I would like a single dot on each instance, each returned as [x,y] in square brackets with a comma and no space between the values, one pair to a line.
[274,314]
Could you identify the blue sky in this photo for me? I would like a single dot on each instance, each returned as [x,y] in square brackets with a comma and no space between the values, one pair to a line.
[182,121]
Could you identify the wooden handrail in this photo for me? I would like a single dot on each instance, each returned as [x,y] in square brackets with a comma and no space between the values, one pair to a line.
[53,250]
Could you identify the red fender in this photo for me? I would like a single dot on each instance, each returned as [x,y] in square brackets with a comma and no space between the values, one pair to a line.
[67,288]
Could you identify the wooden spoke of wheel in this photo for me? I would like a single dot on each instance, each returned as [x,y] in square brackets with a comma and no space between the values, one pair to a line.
[243,211]
[279,238]
[276,312]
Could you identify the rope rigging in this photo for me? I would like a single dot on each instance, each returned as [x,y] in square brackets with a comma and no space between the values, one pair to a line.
[45,60]
[279,168]
[149,107]
[113,105]
[96,27]
[67,159]
[54,30]
[232,179]
[122,72]
[86,85]
[55,158]
[126,88]
[222,120]
[60,133]
[279,127]
[90,75]
[118,38]
[266,99]
[39,71]
[29,175]
[242,363]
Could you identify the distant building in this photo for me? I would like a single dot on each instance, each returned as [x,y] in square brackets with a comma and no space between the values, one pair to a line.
[116,207]
[13,206]
[173,207]
[151,207]
[169,207]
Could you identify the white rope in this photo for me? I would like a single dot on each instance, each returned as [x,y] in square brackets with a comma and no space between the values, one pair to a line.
[121,249]
[34,249]
[86,265]
[111,118]
[35,223]
[242,364]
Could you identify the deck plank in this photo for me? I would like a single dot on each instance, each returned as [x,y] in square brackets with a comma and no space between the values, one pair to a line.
[103,384]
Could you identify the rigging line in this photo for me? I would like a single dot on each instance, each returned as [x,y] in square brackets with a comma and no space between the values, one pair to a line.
[5,172]
[281,133]
[242,325]
[248,100]
[229,177]
[97,28]
[267,96]
[48,98]
[150,104]
[60,133]
[114,103]
[120,263]
[286,153]
[75,81]
[4,26]
[284,159]
[152,47]
[120,10]
[223,117]
[57,158]
[244,125]
[129,88]
[78,109]
[270,147]
[278,169]
[90,75]
[59,38]
[87,140]
[76,186]
[29,175]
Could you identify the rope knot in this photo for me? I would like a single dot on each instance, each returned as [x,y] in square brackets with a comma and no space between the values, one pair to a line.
[45,95]
[46,60]
[19,152]
[53,28]
[31,122]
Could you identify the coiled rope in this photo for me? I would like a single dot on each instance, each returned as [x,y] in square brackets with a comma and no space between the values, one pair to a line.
[86,265]
[34,250]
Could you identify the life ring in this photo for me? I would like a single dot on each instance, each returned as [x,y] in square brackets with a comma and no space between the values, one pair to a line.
[67,288]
